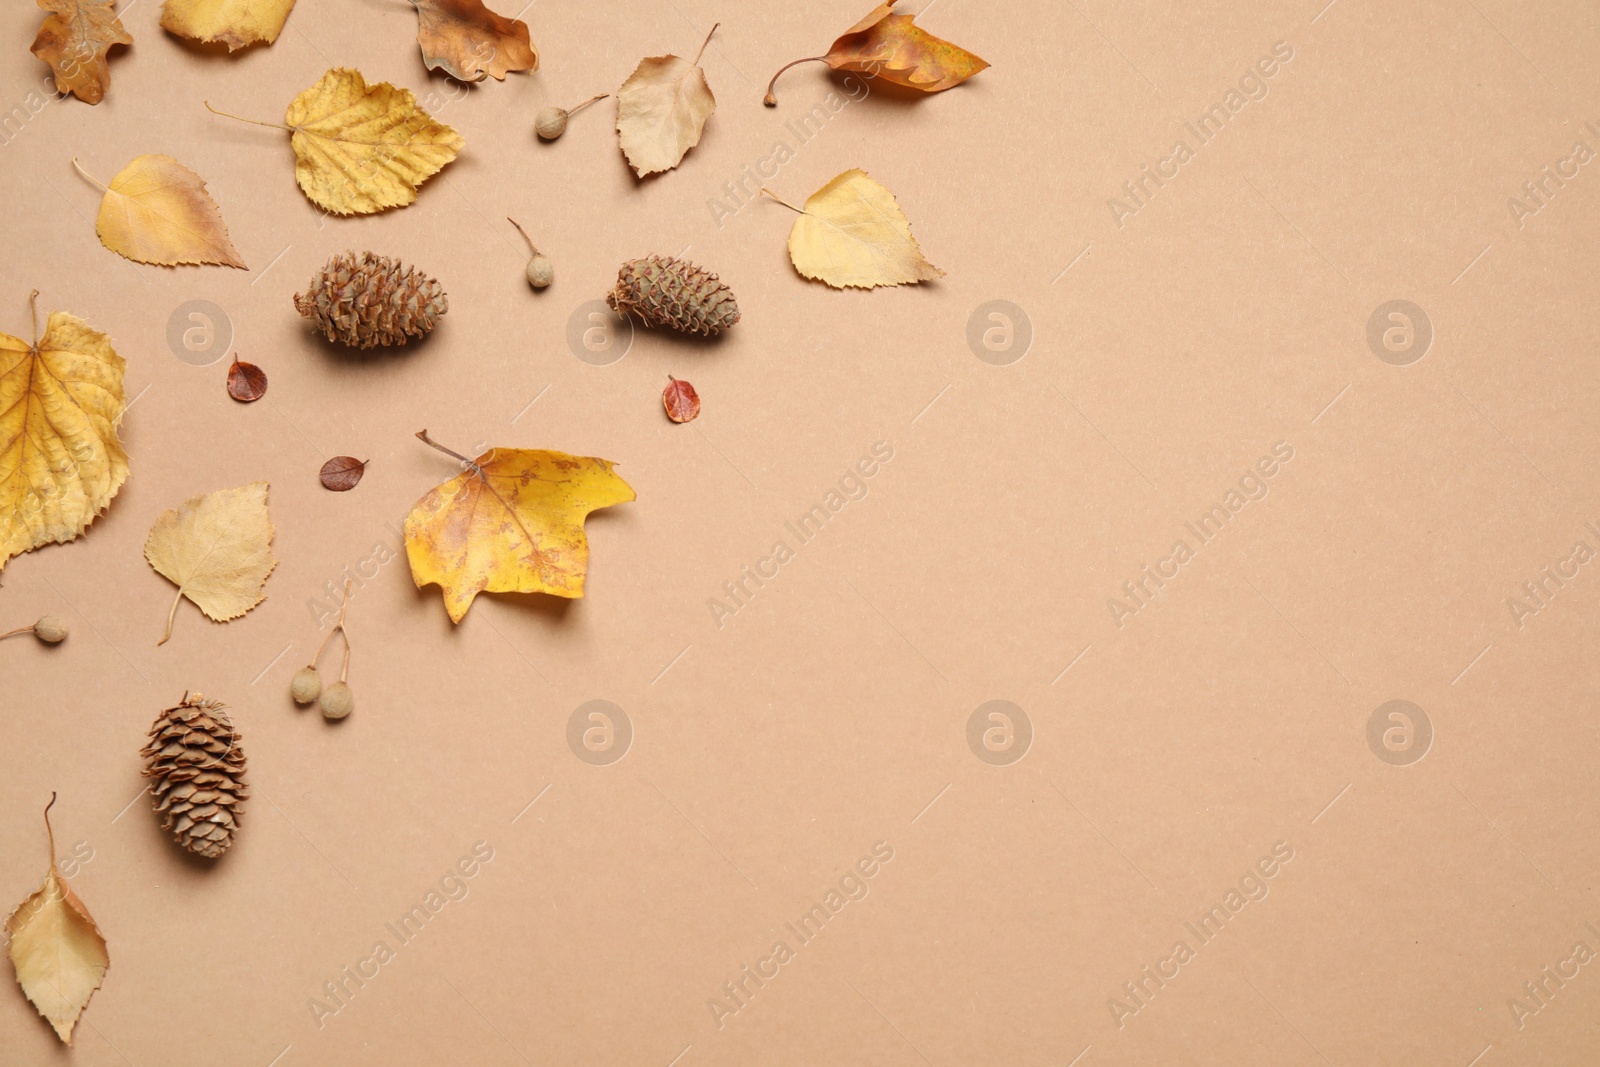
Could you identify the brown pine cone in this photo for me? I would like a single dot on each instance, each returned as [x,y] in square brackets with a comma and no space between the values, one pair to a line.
[194,756]
[664,291]
[370,300]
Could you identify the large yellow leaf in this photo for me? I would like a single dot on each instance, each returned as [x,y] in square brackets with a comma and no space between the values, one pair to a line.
[892,47]
[74,39]
[510,522]
[469,42]
[158,211]
[60,460]
[362,148]
[662,110]
[852,232]
[218,549]
[57,950]
[235,23]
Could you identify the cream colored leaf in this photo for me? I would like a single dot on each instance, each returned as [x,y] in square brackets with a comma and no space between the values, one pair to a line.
[158,211]
[235,23]
[58,952]
[853,233]
[362,148]
[61,463]
[217,549]
[662,110]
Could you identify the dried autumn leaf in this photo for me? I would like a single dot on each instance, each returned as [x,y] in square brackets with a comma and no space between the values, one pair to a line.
[469,42]
[510,522]
[362,148]
[662,110]
[235,23]
[892,47]
[156,210]
[342,473]
[59,953]
[60,460]
[680,400]
[246,382]
[217,549]
[853,233]
[74,39]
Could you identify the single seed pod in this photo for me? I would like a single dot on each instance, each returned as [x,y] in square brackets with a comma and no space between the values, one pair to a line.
[540,272]
[199,789]
[306,686]
[51,629]
[337,701]
[550,123]
[665,291]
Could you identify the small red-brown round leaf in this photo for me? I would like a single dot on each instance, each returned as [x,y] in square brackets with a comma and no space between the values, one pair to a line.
[341,473]
[680,400]
[246,381]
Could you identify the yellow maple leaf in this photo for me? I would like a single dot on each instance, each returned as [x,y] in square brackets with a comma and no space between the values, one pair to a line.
[892,47]
[74,39]
[852,233]
[510,522]
[56,948]
[217,548]
[361,148]
[469,42]
[156,210]
[235,23]
[662,110]
[60,460]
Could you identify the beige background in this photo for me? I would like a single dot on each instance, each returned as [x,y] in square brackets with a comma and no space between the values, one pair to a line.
[1168,355]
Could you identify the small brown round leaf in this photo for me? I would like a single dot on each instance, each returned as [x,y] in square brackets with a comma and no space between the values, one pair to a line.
[341,473]
[246,381]
[680,400]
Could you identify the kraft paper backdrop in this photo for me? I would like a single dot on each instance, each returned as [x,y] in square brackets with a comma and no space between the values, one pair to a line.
[1268,431]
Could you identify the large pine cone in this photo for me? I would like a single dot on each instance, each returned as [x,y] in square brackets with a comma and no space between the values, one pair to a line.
[369,300]
[664,291]
[198,767]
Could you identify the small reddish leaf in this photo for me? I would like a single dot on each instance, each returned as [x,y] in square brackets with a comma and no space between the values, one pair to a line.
[246,381]
[680,400]
[341,473]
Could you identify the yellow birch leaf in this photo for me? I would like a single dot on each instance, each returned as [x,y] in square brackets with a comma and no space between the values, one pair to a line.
[217,549]
[57,950]
[469,42]
[235,23]
[60,460]
[662,110]
[510,522]
[156,210]
[853,233]
[74,39]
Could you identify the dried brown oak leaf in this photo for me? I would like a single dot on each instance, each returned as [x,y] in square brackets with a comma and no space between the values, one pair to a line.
[469,42]
[74,39]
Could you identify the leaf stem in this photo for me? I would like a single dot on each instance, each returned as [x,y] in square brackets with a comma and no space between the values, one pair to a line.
[338,625]
[18,630]
[705,42]
[170,613]
[772,101]
[33,308]
[49,830]
[526,238]
[97,183]
[422,435]
[586,103]
[782,201]
[253,122]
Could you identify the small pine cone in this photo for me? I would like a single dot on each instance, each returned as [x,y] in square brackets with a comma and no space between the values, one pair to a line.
[195,758]
[664,291]
[369,300]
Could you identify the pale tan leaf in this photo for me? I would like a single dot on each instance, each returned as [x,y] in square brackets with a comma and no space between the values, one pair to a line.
[853,233]
[662,110]
[217,549]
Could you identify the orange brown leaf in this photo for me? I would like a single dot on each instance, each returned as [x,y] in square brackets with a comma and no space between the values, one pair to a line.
[74,39]
[894,48]
[469,42]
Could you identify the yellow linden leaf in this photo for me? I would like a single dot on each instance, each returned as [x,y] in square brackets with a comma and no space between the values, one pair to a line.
[58,952]
[158,211]
[510,522]
[662,110]
[60,460]
[235,23]
[851,232]
[217,549]
[362,148]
